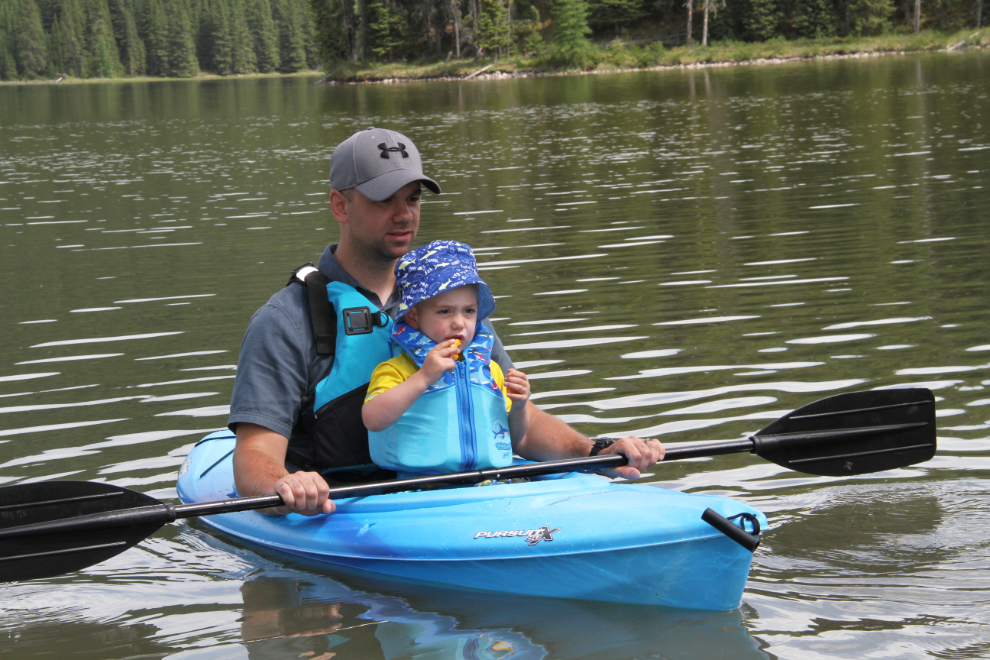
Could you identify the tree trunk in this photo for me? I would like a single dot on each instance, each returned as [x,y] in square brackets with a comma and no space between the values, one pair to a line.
[704,30]
[690,8]
[430,35]
[917,16]
[455,10]
[347,26]
[361,33]
[979,14]
[508,28]
[474,22]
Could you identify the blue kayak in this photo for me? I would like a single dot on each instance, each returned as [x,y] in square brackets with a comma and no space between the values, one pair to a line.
[575,536]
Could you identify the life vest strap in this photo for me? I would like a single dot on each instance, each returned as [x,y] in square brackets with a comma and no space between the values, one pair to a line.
[321,312]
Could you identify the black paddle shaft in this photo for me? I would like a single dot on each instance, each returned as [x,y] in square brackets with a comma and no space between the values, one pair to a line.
[56,527]
[37,514]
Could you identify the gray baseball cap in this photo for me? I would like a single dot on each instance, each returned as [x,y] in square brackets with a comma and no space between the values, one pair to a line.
[377,162]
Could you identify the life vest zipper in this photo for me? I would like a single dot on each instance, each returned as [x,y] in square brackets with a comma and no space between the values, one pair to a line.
[465,414]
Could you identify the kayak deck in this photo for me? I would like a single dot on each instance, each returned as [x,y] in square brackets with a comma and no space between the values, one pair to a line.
[563,536]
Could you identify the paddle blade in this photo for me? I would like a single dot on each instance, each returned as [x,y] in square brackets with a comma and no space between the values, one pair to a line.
[853,433]
[42,553]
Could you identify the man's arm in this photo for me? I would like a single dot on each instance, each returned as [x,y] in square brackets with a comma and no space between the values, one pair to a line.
[548,438]
[259,469]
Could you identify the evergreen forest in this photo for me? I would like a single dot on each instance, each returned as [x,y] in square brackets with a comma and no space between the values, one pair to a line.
[46,39]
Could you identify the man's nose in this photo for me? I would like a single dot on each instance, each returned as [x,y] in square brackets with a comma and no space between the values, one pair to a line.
[403,210]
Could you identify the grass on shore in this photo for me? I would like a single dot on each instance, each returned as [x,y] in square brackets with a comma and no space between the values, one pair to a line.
[619,56]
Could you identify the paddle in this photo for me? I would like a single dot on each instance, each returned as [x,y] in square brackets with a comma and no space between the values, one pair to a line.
[56,527]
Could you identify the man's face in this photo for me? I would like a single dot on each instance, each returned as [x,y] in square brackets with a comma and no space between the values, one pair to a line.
[387,228]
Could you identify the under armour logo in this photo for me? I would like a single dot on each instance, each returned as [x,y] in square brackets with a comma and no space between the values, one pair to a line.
[386,150]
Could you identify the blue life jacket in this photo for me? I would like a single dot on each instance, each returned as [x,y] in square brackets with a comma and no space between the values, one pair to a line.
[347,326]
[458,424]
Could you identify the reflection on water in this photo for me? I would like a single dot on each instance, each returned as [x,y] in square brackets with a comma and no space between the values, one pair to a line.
[233,603]
[686,254]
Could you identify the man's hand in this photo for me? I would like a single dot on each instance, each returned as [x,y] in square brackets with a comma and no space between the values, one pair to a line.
[259,469]
[304,492]
[642,455]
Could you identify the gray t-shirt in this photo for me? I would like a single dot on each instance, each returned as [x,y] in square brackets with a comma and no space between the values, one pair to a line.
[278,363]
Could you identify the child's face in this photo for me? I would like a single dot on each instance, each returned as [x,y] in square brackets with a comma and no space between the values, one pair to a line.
[449,315]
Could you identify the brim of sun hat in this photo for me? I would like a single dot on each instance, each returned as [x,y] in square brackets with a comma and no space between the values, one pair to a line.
[486,301]
[385,185]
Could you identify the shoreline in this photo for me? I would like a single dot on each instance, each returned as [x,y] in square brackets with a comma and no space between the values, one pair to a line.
[762,61]
[201,77]
[616,58]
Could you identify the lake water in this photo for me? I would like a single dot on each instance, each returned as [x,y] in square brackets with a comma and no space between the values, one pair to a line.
[684,254]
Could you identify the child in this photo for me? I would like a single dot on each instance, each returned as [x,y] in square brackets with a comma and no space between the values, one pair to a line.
[441,405]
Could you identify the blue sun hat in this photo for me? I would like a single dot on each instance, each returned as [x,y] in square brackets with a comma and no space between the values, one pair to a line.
[437,267]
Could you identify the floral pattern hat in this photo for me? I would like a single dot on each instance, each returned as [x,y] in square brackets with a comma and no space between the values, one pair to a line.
[437,267]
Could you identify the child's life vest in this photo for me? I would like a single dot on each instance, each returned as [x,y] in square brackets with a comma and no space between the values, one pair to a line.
[458,424]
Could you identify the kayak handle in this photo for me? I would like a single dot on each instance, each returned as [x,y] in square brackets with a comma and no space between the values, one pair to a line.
[738,533]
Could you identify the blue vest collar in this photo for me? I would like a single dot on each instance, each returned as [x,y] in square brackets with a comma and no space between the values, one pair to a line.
[417,345]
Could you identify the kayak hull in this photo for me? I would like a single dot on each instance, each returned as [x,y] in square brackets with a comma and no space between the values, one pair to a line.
[573,536]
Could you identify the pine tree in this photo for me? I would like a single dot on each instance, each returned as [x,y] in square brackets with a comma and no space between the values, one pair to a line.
[8,66]
[814,19]
[329,30]
[493,31]
[72,37]
[30,42]
[154,27]
[765,16]
[570,36]
[306,20]
[181,49]
[242,45]
[101,57]
[136,57]
[219,35]
[264,37]
[130,50]
[292,48]
[383,38]
[870,17]
[103,61]
[615,14]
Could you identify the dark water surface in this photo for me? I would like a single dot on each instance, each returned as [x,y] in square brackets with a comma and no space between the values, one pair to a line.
[685,254]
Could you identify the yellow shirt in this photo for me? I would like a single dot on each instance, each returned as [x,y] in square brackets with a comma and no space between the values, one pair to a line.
[390,373]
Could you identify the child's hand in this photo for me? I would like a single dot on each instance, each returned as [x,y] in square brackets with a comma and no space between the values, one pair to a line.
[517,385]
[439,360]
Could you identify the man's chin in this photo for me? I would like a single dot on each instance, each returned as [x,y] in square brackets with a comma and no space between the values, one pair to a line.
[392,251]
[396,247]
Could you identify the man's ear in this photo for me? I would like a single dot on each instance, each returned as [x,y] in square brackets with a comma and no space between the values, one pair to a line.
[339,206]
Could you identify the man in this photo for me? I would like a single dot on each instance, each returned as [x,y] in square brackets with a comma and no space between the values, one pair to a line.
[376,178]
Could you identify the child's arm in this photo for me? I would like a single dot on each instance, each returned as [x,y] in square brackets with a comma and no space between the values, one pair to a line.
[517,387]
[386,408]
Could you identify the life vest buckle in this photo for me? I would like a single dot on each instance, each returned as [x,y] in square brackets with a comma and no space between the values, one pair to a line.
[359,320]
